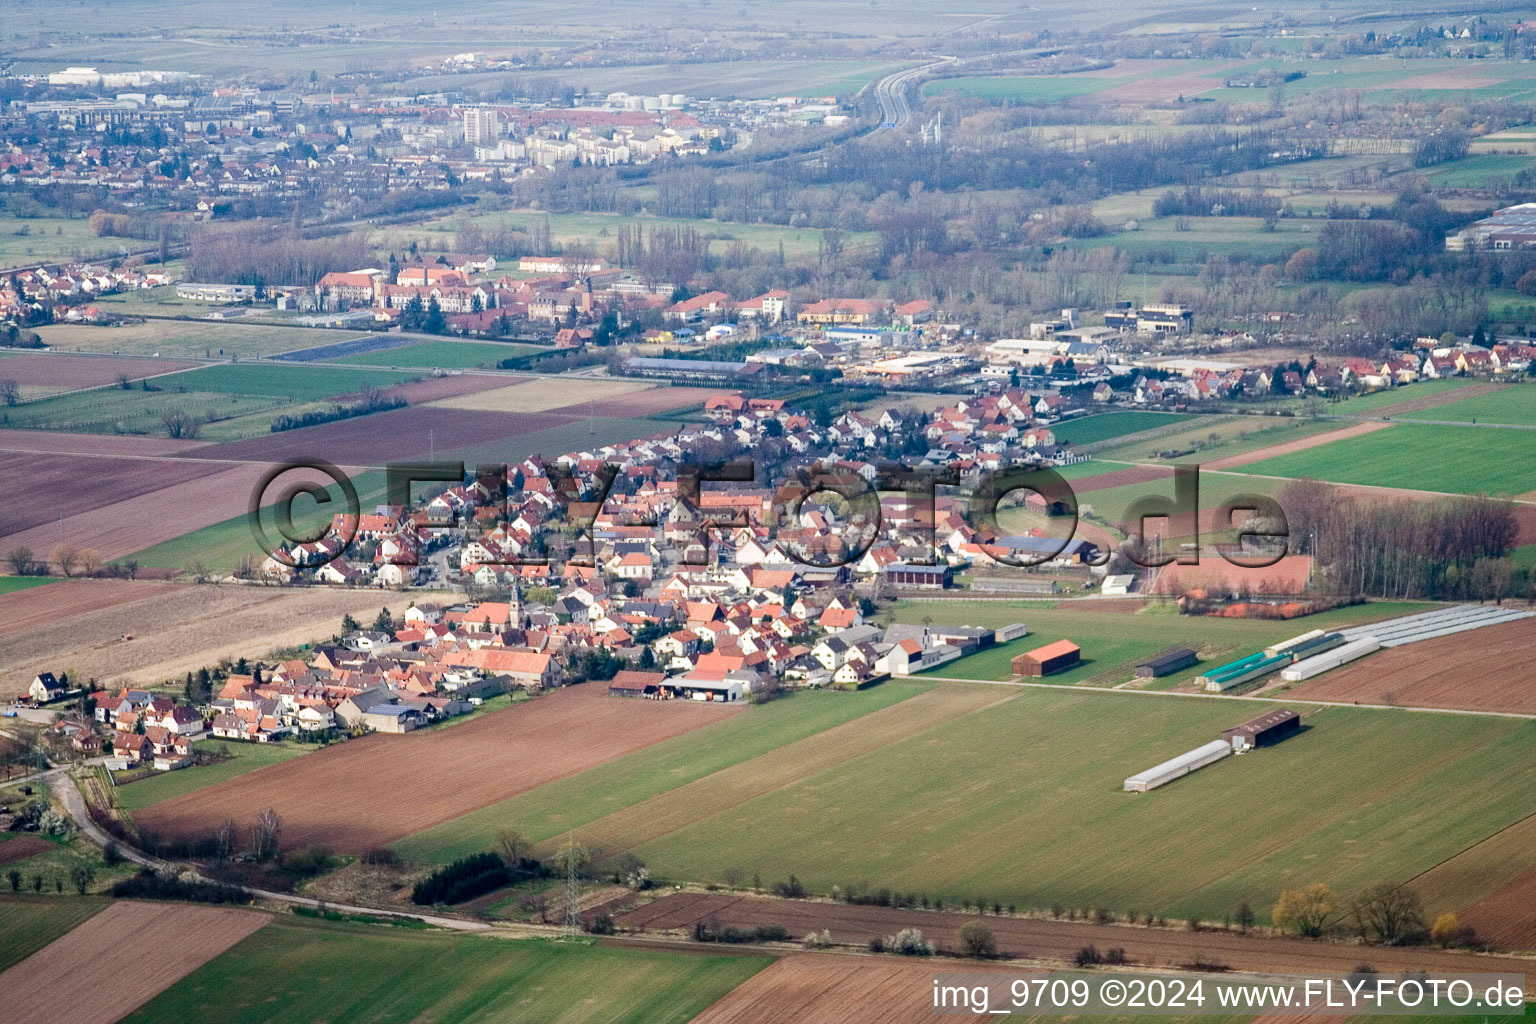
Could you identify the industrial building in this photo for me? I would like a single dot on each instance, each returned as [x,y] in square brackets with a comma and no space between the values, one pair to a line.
[1047,660]
[1166,663]
[1270,727]
[1179,767]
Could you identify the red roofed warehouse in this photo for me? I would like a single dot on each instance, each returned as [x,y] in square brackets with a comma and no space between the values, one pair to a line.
[1043,661]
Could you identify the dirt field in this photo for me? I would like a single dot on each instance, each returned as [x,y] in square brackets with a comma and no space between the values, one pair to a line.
[66,372]
[1120,478]
[373,791]
[1047,939]
[646,403]
[434,389]
[1506,919]
[176,629]
[1491,669]
[1302,444]
[46,488]
[1442,80]
[23,847]
[387,436]
[123,527]
[809,988]
[543,394]
[1154,90]
[33,609]
[119,960]
[57,442]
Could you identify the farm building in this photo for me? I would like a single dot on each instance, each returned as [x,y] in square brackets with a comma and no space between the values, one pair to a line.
[634,683]
[1341,655]
[1179,767]
[926,577]
[1043,661]
[1270,727]
[1243,670]
[1166,663]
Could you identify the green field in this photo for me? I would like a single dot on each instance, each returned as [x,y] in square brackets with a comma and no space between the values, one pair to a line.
[1093,429]
[575,801]
[297,383]
[11,584]
[1022,803]
[197,339]
[600,230]
[244,757]
[1474,171]
[31,922]
[1159,239]
[448,355]
[366,973]
[1458,460]
[1515,405]
[1392,396]
[135,411]
[28,239]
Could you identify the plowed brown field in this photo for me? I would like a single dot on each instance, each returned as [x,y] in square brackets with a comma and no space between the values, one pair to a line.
[42,442]
[1507,918]
[65,372]
[375,790]
[119,960]
[817,989]
[1489,669]
[175,630]
[32,609]
[1049,940]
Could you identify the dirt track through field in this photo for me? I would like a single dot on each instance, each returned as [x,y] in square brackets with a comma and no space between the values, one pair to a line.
[1050,939]
[375,790]
[1299,445]
[818,988]
[678,808]
[1490,669]
[119,960]
[1431,400]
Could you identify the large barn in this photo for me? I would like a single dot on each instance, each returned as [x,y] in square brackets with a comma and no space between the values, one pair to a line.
[1166,663]
[1270,727]
[1043,661]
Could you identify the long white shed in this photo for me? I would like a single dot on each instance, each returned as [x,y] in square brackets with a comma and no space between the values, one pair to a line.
[1320,663]
[1179,767]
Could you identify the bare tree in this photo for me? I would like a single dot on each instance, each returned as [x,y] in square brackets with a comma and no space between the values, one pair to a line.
[179,423]
[1388,914]
[511,846]
[228,838]
[90,561]
[266,833]
[20,559]
[66,557]
[10,392]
